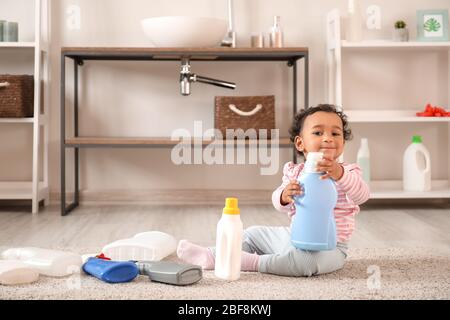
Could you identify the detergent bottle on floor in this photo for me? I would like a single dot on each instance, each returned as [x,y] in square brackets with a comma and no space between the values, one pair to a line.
[313,226]
[229,242]
[111,271]
[13,272]
[416,167]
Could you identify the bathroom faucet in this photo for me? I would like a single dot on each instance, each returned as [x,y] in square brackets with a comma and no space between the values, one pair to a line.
[187,77]
[230,38]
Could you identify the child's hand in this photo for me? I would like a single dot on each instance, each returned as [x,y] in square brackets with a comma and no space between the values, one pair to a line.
[331,168]
[291,190]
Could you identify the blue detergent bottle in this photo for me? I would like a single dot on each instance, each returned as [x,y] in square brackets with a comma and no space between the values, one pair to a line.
[111,271]
[313,227]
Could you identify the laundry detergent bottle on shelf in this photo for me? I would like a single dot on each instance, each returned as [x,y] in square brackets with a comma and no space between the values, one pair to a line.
[416,167]
[229,242]
[313,226]
[363,159]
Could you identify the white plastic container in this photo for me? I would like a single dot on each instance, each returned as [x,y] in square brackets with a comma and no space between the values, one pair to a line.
[13,272]
[416,167]
[229,242]
[47,262]
[363,159]
[146,246]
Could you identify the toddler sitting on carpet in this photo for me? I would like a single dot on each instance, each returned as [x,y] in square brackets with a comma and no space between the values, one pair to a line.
[268,249]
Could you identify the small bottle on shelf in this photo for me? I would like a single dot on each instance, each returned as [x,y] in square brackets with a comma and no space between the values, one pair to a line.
[363,159]
[276,34]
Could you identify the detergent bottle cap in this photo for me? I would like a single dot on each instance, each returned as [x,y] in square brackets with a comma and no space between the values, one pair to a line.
[417,139]
[231,206]
[311,161]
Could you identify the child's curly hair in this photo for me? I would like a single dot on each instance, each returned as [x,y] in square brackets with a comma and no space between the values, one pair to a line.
[299,120]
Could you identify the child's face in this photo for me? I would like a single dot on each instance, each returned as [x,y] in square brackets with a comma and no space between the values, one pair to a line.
[322,132]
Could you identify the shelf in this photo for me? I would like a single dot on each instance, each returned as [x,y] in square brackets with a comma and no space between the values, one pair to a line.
[33,55]
[21,191]
[176,54]
[16,120]
[161,142]
[367,116]
[22,45]
[393,189]
[17,44]
[42,120]
[385,44]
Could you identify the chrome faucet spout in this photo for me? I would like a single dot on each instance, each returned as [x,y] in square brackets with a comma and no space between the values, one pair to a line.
[187,77]
[215,82]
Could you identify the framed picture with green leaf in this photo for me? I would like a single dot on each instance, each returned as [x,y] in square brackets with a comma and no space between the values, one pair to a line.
[432,25]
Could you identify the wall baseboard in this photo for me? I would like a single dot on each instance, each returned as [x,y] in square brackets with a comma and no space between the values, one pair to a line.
[164,197]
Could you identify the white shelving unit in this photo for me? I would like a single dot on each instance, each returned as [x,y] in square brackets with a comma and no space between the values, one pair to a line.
[34,190]
[382,189]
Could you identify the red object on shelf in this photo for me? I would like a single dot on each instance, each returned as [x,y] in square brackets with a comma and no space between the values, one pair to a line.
[431,111]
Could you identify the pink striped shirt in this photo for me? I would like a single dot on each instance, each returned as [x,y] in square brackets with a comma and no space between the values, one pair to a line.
[352,191]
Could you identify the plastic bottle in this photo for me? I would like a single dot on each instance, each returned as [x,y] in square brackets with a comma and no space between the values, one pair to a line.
[16,272]
[363,159]
[276,34]
[111,271]
[152,245]
[229,242]
[416,167]
[47,262]
[313,226]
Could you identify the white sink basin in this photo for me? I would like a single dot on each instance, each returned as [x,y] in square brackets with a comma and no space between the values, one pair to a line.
[173,31]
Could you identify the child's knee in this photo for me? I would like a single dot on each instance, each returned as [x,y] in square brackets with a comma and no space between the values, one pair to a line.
[247,239]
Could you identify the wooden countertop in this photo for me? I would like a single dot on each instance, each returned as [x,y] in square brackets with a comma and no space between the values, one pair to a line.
[213,53]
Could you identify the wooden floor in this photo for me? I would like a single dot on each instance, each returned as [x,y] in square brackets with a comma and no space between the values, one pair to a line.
[95,225]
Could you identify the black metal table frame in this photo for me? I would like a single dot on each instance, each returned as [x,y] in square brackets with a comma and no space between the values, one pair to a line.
[79,57]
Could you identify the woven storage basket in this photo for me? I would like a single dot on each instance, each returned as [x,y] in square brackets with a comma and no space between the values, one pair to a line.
[254,112]
[16,96]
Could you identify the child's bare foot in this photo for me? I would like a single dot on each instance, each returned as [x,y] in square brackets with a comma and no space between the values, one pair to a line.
[195,254]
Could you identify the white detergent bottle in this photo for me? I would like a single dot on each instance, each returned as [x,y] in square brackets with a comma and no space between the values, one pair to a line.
[416,167]
[363,159]
[47,262]
[229,242]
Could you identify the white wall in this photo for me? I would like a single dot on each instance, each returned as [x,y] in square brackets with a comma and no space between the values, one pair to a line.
[142,98]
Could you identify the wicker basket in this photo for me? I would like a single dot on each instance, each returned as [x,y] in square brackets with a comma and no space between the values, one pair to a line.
[16,96]
[254,112]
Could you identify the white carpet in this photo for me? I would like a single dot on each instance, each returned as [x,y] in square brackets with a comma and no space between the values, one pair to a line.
[418,273]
